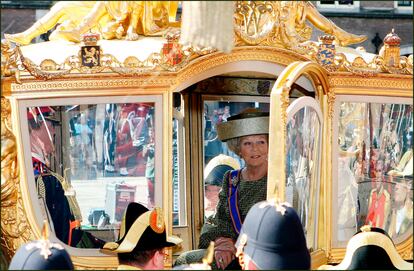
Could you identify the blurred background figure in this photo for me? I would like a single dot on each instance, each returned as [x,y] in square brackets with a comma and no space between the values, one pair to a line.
[214,172]
[379,200]
[402,212]
[109,137]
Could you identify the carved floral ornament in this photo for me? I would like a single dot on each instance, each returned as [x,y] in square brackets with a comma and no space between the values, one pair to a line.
[280,24]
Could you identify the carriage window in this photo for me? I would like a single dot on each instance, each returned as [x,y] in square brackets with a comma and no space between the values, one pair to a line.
[178,182]
[217,157]
[88,161]
[302,167]
[374,168]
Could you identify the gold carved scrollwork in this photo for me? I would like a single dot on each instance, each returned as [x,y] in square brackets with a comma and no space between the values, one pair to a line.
[255,21]
[331,102]
[9,61]
[284,99]
[283,24]
[15,229]
[360,67]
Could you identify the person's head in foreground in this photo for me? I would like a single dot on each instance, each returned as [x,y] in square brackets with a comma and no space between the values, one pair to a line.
[41,255]
[370,248]
[142,239]
[272,238]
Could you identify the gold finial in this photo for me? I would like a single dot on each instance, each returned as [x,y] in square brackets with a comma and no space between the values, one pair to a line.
[44,244]
[45,230]
[366,228]
[276,202]
[208,257]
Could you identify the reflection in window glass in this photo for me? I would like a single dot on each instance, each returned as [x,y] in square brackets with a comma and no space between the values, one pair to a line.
[178,204]
[218,159]
[89,162]
[302,148]
[375,168]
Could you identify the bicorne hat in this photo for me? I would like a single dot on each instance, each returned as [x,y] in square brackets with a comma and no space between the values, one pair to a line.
[141,229]
[249,122]
[217,167]
[371,248]
[41,255]
[272,237]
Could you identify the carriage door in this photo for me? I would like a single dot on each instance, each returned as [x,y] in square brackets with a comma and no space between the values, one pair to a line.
[295,147]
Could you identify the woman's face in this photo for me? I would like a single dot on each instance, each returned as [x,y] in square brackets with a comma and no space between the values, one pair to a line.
[254,149]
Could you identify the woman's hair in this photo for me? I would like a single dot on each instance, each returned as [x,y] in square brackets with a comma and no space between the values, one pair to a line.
[234,145]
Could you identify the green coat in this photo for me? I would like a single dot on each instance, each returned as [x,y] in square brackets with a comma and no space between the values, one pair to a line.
[221,225]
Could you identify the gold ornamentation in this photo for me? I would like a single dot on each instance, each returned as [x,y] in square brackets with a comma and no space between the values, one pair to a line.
[283,24]
[44,243]
[380,85]
[284,99]
[90,56]
[90,39]
[390,51]
[275,202]
[9,61]
[156,220]
[48,65]
[90,62]
[273,55]
[113,19]
[331,103]
[15,229]
[366,228]
[326,52]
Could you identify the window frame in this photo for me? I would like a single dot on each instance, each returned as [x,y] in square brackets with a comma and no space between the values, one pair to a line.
[403,8]
[38,209]
[336,244]
[336,6]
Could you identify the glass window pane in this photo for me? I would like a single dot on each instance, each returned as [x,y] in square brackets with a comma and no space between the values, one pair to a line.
[327,2]
[346,2]
[179,203]
[302,170]
[214,113]
[404,3]
[89,162]
[375,168]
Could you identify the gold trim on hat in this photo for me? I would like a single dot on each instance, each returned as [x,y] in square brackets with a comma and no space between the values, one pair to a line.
[221,160]
[157,220]
[243,127]
[44,244]
[133,235]
[371,238]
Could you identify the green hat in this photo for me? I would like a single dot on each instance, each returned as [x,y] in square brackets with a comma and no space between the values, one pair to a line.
[249,122]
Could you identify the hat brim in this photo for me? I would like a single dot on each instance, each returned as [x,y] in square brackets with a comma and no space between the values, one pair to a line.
[243,127]
[267,260]
[173,240]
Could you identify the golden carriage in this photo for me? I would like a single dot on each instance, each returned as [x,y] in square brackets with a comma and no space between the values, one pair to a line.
[335,112]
